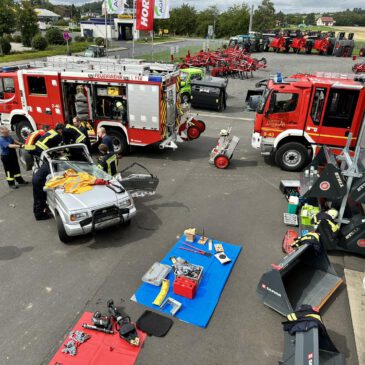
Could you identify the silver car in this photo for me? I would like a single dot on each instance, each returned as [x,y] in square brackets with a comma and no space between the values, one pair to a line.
[78,214]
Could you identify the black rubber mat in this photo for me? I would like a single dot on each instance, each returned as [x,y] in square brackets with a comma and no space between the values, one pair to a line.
[154,324]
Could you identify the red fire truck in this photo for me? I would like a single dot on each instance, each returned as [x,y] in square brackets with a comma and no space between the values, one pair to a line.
[138,103]
[302,112]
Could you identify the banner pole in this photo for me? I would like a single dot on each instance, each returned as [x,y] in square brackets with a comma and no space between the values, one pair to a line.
[134,25]
[152,47]
[106,28]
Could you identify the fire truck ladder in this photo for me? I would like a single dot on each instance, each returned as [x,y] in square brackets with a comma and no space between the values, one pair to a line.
[68,63]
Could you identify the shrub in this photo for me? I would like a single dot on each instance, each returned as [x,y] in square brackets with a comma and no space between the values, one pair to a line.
[99,41]
[89,39]
[39,43]
[54,36]
[79,39]
[8,37]
[5,46]
[17,38]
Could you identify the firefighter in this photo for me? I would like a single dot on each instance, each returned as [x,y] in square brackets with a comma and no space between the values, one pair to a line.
[120,111]
[9,158]
[39,195]
[105,139]
[72,134]
[32,139]
[77,123]
[50,139]
[108,161]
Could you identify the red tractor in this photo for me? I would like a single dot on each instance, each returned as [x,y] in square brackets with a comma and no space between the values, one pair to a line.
[299,43]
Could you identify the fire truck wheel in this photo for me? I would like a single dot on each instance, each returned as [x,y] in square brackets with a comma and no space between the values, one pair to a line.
[62,235]
[23,128]
[185,98]
[120,144]
[221,161]
[220,107]
[291,156]
[193,132]
[200,124]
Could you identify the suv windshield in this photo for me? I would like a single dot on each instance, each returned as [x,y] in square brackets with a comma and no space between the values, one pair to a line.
[262,101]
[60,166]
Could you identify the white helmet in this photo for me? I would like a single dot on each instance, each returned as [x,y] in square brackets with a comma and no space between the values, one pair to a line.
[119,105]
[333,213]
[223,132]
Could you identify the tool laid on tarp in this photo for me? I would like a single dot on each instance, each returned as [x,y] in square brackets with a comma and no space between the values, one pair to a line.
[101,348]
[126,329]
[195,250]
[303,276]
[306,340]
[222,153]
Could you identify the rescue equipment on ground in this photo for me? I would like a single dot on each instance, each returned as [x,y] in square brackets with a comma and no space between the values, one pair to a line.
[223,152]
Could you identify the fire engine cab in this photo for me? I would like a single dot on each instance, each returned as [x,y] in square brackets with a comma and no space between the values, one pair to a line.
[138,103]
[299,113]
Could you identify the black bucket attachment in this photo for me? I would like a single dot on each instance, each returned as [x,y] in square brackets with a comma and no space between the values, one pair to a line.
[136,183]
[312,348]
[330,185]
[302,277]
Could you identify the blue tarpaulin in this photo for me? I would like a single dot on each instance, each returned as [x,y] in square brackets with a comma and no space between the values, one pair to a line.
[196,311]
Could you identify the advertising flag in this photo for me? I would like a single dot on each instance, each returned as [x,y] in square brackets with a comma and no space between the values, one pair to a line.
[162,9]
[144,14]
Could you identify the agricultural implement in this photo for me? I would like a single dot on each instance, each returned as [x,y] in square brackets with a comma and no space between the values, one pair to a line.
[359,67]
[230,62]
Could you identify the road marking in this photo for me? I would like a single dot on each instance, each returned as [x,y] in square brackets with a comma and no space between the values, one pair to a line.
[223,117]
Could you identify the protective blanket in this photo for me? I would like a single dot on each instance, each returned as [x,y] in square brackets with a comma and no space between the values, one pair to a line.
[72,182]
[199,310]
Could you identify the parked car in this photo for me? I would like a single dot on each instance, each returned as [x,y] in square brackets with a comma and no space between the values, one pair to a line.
[79,214]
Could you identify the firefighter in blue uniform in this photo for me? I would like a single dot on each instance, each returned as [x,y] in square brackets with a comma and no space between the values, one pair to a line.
[9,158]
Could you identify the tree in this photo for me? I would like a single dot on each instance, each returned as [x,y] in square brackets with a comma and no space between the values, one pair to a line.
[27,22]
[264,16]
[5,46]
[183,20]
[280,18]
[310,19]
[7,17]
[235,20]
[205,18]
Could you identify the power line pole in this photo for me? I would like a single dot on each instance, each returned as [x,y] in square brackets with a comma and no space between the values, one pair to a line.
[251,16]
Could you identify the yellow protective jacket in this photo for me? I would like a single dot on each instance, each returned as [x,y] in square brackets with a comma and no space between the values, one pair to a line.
[72,182]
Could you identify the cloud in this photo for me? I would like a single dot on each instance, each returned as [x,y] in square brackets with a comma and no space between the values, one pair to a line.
[287,6]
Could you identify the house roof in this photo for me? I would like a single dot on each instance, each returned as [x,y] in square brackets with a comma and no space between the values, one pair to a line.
[46,13]
[326,19]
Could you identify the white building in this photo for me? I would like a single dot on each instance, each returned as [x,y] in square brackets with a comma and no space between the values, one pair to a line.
[45,18]
[120,28]
[326,21]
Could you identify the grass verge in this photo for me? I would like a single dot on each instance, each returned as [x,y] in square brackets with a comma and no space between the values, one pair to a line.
[50,51]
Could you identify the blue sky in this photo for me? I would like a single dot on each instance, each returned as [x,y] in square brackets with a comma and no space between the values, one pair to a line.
[289,6]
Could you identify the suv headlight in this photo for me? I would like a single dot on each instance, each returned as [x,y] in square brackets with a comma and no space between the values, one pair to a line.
[78,216]
[125,203]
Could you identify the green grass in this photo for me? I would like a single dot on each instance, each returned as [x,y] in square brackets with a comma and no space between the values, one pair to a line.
[50,51]
[159,39]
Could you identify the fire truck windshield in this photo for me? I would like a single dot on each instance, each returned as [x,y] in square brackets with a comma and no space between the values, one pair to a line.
[262,101]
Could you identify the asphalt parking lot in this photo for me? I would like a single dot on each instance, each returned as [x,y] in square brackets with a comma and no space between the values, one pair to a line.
[45,285]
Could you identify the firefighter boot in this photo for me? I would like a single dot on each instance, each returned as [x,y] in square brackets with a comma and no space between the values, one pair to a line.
[21,181]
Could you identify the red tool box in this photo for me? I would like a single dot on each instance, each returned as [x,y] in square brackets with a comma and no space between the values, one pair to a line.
[100,349]
[185,287]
